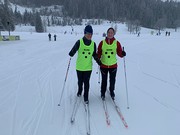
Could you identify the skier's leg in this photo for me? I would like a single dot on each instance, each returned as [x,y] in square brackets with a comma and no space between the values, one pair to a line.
[104,73]
[112,80]
[86,78]
[80,82]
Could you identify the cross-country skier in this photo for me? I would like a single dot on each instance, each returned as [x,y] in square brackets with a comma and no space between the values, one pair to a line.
[107,51]
[86,50]
[49,35]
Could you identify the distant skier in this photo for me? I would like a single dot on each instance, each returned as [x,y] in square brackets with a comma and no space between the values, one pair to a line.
[55,37]
[138,34]
[107,51]
[49,35]
[104,34]
[169,33]
[166,33]
[86,50]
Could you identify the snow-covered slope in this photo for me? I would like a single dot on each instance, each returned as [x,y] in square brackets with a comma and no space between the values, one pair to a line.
[32,73]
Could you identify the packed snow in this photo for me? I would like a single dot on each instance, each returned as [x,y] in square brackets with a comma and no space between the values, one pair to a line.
[32,75]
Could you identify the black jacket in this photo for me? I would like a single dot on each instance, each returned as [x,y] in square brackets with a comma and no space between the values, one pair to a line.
[86,42]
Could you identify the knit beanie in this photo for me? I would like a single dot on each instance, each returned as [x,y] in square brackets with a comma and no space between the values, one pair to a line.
[88,29]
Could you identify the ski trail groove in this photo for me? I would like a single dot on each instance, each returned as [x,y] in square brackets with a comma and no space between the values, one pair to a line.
[15,106]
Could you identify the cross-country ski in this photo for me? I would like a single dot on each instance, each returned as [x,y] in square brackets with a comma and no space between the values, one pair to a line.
[117,108]
[75,108]
[106,112]
[88,126]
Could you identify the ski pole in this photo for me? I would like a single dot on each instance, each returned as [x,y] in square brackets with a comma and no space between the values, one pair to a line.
[64,82]
[99,77]
[99,72]
[126,81]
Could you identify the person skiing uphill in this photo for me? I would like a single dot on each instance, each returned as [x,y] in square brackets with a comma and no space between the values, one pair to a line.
[86,50]
[107,51]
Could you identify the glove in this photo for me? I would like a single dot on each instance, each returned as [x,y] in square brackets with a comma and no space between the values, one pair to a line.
[123,53]
[70,54]
[99,62]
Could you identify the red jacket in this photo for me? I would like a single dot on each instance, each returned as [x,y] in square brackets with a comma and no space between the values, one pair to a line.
[109,42]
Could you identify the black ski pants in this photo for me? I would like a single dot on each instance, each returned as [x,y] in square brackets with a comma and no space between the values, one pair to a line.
[83,78]
[112,79]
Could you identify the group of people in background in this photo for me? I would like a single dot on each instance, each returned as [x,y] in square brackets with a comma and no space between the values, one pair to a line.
[168,33]
[49,35]
[106,57]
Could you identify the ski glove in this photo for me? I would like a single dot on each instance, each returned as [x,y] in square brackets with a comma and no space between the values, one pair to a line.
[70,54]
[99,62]
[123,53]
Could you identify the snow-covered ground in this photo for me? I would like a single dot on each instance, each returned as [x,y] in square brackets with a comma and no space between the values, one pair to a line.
[32,73]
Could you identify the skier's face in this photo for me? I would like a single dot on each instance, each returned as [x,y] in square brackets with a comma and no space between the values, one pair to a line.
[110,34]
[88,36]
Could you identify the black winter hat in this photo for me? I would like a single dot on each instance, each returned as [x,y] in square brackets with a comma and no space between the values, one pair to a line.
[88,29]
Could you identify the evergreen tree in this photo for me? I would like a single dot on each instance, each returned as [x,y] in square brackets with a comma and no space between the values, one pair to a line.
[26,17]
[6,16]
[17,17]
[38,23]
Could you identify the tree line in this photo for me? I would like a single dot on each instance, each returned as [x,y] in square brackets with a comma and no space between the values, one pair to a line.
[154,14]
[148,13]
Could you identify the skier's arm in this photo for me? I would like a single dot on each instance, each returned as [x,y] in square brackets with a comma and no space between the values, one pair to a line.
[121,53]
[119,49]
[99,52]
[74,49]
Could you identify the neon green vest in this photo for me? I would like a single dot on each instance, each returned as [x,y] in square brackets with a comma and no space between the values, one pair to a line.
[84,59]
[109,53]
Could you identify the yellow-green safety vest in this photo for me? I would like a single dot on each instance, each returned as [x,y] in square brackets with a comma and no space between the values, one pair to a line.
[84,58]
[109,53]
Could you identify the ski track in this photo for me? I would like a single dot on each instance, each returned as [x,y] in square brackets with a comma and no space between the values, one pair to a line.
[93,117]
[33,123]
[166,105]
[176,78]
[67,104]
[48,89]
[162,80]
[155,77]
[15,106]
